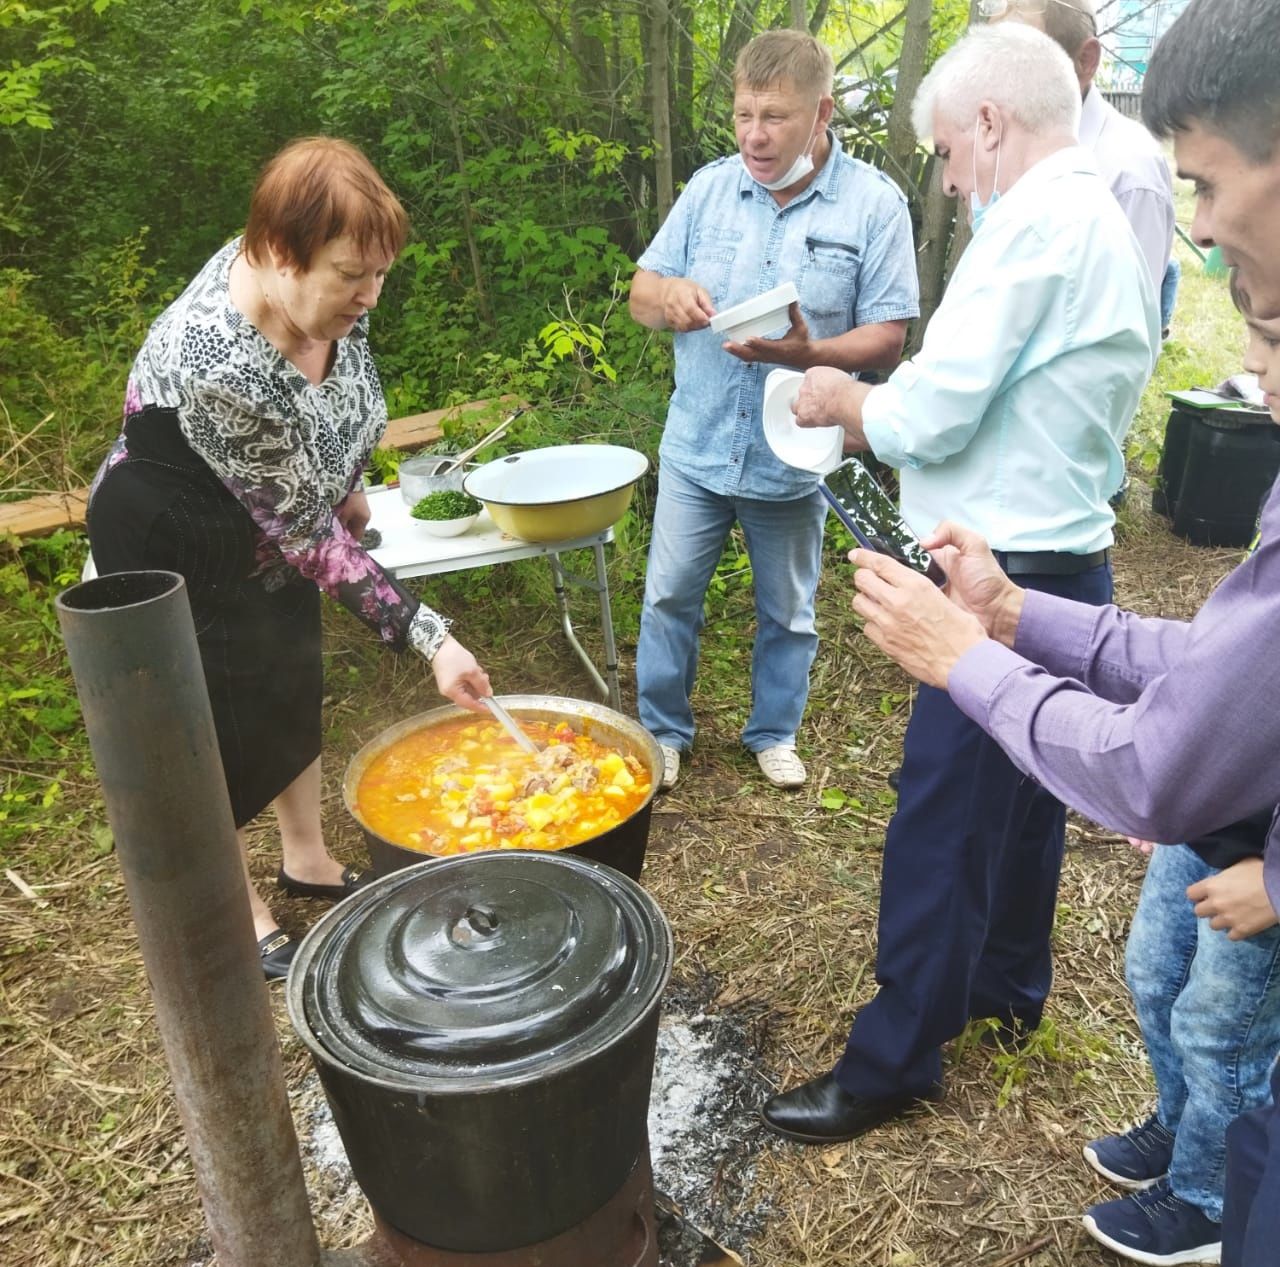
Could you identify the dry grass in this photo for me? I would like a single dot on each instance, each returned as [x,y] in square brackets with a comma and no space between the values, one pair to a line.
[773,901]
[771,896]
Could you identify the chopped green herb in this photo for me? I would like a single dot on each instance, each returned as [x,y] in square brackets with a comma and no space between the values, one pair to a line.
[447,503]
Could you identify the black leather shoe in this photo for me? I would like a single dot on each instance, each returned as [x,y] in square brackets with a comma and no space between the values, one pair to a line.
[894,777]
[351,881]
[823,1112]
[277,950]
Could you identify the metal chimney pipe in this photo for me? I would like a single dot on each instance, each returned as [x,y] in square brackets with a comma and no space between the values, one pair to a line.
[137,669]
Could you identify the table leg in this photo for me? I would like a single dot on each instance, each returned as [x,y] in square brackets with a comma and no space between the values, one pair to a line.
[610,689]
[606,627]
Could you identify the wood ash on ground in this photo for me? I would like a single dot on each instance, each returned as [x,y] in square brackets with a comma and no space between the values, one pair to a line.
[703,1137]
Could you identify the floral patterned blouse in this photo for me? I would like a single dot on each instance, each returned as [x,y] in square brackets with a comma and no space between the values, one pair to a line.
[289,450]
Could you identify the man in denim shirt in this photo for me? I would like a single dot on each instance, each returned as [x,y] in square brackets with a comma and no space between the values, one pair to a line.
[790,206]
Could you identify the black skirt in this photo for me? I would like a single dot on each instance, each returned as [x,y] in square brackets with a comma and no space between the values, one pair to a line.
[162,507]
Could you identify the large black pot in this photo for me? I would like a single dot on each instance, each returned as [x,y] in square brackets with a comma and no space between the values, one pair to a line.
[485,1028]
[622,847]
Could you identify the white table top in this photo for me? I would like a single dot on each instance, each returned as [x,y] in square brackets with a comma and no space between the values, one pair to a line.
[408,549]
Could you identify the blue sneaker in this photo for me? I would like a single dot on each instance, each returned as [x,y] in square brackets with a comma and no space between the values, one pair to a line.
[1137,1159]
[1155,1227]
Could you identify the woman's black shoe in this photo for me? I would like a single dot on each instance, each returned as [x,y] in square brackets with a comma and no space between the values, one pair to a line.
[277,950]
[351,881]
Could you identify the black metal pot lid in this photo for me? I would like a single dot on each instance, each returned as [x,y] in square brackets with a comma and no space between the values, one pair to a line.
[490,968]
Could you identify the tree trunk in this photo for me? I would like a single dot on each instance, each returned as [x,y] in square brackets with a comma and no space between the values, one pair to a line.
[588,52]
[911,64]
[799,15]
[738,32]
[468,221]
[683,158]
[660,81]
[938,213]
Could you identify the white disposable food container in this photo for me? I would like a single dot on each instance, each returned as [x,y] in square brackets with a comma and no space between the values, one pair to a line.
[759,316]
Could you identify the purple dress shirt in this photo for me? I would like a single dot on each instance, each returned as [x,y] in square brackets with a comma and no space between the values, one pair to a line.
[1157,728]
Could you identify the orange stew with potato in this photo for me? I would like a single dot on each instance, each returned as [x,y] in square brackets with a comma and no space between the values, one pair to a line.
[464,785]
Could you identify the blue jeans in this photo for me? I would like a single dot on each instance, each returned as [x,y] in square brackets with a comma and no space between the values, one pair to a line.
[1209,1009]
[1169,291]
[784,543]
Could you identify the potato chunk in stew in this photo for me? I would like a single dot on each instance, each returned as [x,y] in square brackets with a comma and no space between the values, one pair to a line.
[464,785]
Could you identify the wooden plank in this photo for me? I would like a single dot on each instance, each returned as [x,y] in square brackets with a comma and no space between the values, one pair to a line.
[419,429]
[47,512]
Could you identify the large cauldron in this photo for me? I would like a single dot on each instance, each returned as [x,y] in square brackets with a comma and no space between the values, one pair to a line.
[622,847]
[485,1027]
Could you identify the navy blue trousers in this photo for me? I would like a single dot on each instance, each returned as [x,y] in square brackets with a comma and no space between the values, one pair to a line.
[1251,1205]
[967,895]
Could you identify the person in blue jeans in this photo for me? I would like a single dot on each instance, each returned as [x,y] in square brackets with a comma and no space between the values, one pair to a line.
[1209,1010]
[790,206]
[1169,294]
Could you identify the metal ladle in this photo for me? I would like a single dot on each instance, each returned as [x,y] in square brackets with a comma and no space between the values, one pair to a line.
[508,723]
[498,431]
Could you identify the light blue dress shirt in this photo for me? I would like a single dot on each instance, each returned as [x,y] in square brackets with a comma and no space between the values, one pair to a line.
[845,242]
[1012,418]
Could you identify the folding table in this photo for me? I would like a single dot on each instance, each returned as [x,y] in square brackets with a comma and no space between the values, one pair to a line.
[407,549]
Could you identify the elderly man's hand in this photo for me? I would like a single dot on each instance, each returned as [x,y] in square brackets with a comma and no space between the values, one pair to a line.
[830,398]
[910,619]
[1235,900]
[686,305]
[975,581]
[793,348]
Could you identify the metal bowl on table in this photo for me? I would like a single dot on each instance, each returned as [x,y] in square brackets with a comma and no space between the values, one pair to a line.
[558,493]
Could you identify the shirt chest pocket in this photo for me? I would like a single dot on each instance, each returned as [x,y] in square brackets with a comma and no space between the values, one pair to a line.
[829,278]
[711,261]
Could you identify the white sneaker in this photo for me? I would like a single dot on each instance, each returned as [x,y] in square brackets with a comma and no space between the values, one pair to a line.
[670,766]
[782,767]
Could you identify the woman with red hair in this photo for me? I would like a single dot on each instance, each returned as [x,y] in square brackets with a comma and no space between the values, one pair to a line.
[249,417]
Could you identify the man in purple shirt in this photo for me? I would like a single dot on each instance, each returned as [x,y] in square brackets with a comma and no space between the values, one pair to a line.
[1159,728]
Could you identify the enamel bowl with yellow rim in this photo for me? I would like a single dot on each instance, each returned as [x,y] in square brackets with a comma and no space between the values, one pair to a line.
[558,493]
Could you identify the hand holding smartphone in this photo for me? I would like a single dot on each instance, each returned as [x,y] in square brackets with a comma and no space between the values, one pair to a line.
[865,509]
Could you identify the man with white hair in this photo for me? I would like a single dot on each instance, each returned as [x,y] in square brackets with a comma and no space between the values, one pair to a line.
[1011,419]
[1129,158]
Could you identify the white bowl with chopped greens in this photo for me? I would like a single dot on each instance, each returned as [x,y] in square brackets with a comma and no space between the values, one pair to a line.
[445,513]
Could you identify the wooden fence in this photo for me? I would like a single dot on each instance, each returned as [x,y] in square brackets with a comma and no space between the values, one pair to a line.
[1128,102]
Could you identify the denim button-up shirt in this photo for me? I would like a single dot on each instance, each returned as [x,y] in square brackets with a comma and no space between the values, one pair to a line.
[845,242]
[1012,417]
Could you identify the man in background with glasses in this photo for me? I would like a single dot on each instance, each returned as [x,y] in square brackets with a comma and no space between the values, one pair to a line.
[1128,156]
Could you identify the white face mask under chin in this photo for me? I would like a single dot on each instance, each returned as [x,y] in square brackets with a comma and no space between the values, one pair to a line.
[801,167]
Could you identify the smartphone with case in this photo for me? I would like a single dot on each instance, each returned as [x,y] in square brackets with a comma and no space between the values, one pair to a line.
[866,510]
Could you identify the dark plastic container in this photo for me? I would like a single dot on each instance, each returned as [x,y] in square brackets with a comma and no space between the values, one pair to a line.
[485,1029]
[1216,468]
[1173,459]
[622,847]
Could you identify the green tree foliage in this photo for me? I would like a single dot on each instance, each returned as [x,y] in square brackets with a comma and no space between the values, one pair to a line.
[519,135]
